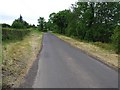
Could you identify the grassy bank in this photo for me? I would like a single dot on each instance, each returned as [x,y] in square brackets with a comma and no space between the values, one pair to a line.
[18,57]
[103,51]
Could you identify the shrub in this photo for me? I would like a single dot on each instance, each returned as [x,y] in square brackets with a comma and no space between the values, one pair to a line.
[9,35]
[116,39]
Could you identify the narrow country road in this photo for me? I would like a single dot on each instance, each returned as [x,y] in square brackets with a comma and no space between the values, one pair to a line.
[63,66]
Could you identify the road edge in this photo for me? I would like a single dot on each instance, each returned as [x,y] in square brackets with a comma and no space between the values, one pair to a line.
[95,57]
[30,76]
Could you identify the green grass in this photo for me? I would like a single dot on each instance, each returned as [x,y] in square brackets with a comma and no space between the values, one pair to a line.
[106,46]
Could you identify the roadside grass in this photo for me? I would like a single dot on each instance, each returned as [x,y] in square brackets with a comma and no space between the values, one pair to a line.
[102,51]
[18,57]
[0,66]
[0,54]
[106,46]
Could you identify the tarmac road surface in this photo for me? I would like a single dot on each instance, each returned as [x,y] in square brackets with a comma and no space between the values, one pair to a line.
[62,66]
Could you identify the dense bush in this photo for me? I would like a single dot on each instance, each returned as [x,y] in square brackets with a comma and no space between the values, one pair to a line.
[116,39]
[8,35]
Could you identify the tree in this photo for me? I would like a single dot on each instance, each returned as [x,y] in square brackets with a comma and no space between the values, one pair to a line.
[20,23]
[60,19]
[91,21]
[42,25]
[51,25]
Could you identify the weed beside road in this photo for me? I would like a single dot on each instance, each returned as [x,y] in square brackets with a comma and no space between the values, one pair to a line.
[18,57]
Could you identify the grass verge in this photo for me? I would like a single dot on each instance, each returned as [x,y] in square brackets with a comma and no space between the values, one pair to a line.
[97,50]
[18,57]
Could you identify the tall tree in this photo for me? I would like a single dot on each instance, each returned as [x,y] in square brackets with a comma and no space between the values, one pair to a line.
[60,19]
[92,21]
[41,22]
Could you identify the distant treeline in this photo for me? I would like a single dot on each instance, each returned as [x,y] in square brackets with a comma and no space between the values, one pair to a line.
[18,24]
[91,21]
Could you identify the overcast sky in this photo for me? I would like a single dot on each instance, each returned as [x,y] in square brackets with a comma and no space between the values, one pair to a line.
[31,10]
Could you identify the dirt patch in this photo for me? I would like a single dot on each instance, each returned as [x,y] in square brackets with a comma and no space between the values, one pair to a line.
[18,57]
[109,58]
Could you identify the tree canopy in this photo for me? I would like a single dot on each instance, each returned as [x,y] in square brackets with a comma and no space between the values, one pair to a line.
[91,21]
[20,23]
[41,24]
